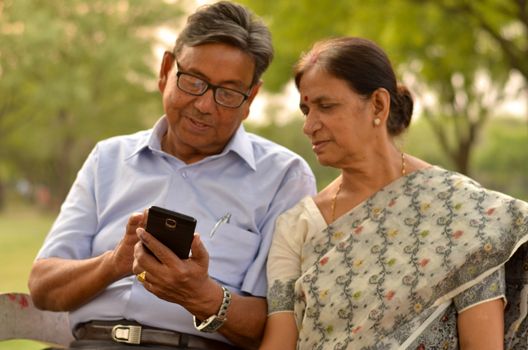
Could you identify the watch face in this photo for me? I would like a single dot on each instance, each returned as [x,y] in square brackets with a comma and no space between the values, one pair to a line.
[214,325]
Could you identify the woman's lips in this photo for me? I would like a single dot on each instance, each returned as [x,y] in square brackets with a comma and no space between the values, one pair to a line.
[318,146]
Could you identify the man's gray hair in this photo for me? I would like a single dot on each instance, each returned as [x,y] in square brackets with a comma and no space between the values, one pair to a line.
[233,24]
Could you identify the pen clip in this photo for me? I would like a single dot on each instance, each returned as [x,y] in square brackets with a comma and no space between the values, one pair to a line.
[224,219]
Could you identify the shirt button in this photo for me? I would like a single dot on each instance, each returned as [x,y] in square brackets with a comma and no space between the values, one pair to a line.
[184,174]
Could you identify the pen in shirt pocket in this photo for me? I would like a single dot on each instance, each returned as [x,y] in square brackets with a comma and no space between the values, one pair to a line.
[224,219]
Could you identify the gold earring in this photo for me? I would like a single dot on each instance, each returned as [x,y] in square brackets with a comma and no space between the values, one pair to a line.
[377,121]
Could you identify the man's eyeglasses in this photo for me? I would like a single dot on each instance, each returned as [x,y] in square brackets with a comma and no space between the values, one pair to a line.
[223,96]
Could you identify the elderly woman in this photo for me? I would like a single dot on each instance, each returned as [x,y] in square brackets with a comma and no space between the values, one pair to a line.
[395,252]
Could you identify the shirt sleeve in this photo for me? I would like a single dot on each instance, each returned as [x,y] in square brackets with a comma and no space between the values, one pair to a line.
[490,288]
[72,232]
[285,259]
[299,183]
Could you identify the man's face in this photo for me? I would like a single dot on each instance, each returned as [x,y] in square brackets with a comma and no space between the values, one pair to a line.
[199,126]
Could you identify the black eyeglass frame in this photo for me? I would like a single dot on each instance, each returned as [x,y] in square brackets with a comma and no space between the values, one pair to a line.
[210,86]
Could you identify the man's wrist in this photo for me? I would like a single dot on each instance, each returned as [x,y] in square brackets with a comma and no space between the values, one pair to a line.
[214,322]
[110,267]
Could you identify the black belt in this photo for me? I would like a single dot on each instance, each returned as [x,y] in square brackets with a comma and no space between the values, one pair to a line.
[124,331]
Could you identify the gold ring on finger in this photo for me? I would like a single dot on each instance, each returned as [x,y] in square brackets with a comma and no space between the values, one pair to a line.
[142,276]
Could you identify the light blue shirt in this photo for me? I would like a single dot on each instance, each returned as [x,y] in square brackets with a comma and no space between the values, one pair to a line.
[253,179]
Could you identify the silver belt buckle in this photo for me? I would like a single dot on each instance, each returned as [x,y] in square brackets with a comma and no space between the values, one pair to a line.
[126,334]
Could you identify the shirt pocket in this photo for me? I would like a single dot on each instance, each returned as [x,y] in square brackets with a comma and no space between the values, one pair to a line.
[231,250]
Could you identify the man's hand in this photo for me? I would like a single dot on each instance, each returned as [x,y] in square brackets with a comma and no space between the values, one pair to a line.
[123,255]
[59,284]
[182,281]
[187,282]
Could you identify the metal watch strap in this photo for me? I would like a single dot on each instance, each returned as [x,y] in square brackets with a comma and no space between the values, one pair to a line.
[212,323]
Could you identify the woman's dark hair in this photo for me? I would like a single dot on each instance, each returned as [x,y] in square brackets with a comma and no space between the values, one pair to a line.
[365,67]
[229,23]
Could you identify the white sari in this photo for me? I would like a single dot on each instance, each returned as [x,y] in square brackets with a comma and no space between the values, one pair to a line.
[395,270]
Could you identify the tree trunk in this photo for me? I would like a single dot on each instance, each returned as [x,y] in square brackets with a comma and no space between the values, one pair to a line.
[463,157]
[2,195]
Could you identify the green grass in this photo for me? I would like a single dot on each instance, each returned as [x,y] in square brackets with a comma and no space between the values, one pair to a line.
[21,345]
[22,231]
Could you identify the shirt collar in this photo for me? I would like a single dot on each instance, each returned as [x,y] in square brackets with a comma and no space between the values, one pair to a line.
[151,140]
[239,143]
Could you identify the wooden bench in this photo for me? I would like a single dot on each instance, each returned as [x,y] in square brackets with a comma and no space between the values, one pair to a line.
[20,319]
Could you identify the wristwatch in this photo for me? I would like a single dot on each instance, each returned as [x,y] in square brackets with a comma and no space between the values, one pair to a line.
[212,323]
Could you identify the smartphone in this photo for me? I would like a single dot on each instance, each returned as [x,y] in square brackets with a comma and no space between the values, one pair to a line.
[175,230]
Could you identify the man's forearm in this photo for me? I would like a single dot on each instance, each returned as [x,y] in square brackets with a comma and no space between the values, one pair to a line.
[245,323]
[246,315]
[62,285]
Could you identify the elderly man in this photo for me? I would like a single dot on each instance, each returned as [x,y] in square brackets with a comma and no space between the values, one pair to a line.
[198,160]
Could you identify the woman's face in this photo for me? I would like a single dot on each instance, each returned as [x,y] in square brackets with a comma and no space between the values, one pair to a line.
[338,121]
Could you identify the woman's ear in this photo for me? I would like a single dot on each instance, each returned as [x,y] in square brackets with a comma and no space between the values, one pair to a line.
[380,100]
[166,66]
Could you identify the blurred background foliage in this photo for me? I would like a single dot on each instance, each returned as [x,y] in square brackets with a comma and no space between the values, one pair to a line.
[458,57]
[71,73]
[74,72]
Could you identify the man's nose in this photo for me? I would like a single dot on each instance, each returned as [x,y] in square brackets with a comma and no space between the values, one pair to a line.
[206,102]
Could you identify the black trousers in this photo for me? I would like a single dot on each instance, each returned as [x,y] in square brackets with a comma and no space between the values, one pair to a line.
[111,345]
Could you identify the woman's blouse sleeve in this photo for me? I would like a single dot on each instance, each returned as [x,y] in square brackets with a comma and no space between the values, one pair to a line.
[284,260]
[490,288]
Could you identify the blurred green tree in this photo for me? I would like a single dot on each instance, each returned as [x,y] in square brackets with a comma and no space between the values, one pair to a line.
[71,73]
[441,53]
[502,162]
[504,22]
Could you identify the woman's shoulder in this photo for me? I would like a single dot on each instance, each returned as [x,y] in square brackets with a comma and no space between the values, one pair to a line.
[305,207]
[304,216]
[458,188]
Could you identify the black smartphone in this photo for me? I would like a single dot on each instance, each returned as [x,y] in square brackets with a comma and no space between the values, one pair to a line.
[173,229]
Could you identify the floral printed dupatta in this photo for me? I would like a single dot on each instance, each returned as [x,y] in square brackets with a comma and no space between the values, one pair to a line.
[384,275]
